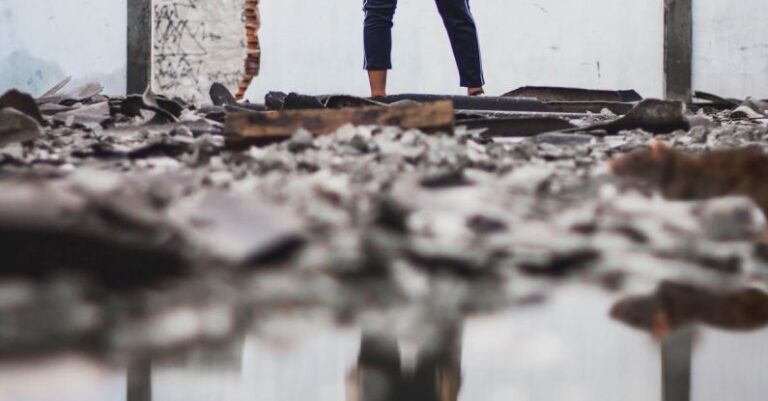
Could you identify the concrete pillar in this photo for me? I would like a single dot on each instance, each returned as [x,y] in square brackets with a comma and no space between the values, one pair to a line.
[139,67]
[678,49]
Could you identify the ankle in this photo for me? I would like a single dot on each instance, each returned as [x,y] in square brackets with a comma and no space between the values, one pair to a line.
[475,91]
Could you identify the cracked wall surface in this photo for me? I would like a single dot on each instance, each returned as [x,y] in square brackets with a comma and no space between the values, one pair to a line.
[199,42]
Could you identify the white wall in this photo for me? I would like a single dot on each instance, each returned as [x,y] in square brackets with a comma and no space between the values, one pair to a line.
[316,46]
[731,47]
[43,41]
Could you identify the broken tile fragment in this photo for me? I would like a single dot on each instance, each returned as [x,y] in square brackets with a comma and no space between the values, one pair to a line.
[16,126]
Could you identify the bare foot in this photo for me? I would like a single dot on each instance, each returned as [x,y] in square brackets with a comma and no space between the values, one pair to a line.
[475,91]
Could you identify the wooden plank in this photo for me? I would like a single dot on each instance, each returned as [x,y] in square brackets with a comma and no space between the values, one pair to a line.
[139,46]
[678,49]
[431,117]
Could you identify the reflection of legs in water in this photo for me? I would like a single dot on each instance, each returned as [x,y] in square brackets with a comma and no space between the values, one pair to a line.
[379,372]
[438,371]
[380,375]
[140,381]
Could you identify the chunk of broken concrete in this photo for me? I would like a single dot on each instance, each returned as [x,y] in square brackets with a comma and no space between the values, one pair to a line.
[732,219]
[652,115]
[23,103]
[90,116]
[746,112]
[51,229]
[16,126]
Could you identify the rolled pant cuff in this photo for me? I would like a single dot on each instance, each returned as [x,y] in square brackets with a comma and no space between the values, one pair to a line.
[472,84]
[377,67]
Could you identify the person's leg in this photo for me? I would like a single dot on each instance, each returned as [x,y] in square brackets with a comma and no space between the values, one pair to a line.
[378,42]
[462,32]
[378,81]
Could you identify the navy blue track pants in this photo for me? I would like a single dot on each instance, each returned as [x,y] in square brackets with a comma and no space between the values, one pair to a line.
[458,21]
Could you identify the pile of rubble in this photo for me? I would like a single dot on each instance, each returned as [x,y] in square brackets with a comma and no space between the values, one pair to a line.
[142,222]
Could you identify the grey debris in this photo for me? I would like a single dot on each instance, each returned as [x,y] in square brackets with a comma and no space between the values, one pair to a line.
[239,229]
[16,126]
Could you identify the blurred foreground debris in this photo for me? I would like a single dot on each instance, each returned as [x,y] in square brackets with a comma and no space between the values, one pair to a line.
[674,306]
[16,126]
[129,225]
[733,172]
[54,225]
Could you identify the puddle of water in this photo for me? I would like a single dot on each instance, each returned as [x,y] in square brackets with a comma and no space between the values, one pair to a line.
[61,378]
[567,349]
[730,366]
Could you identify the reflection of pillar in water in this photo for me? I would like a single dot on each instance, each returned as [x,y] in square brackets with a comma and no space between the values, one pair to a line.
[140,381]
[380,375]
[676,358]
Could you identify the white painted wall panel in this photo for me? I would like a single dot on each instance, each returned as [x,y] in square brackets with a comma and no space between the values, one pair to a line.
[197,43]
[43,41]
[316,46]
[731,47]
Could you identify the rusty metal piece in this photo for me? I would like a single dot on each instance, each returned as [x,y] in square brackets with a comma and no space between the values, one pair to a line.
[297,101]
[517,127]
[557,94]
[474,102]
